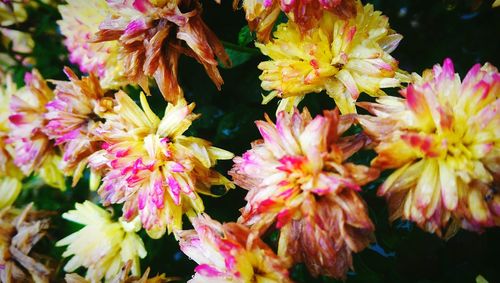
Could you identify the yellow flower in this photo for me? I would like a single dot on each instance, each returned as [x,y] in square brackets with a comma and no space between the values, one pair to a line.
[10,175]
[151,167]
[102,246]
[34,152]
[80,21]
[229,253]
[299,180]
[443,138]
[342,56]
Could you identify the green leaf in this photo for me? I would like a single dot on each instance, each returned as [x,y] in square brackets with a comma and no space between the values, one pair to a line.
[245,36]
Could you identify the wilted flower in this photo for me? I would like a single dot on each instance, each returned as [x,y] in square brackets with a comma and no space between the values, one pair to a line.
[34,152]
[122,277]
[103,246]
[19,232]
[80,21]
[230,253]
[10,175]
[262,14]
[297,177]
[443,138]
[73,115]
[151,36]
[342,56]
[151,167]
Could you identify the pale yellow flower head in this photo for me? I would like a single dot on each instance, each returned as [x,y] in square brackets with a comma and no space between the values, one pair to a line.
[102,246]
[342,56]
[80,21]
[152,167]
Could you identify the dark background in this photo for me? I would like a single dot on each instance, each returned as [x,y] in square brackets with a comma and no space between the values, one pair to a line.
[466,31]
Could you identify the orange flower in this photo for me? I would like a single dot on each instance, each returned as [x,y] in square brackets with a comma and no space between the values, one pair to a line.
[298,179]
[262,14]
[230,253]
[443,138]
[72,116]
[152,36]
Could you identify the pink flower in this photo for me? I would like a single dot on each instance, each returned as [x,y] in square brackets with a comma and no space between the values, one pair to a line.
[151,167]
[34,152]
[72,116]
[230,253]
[298,180]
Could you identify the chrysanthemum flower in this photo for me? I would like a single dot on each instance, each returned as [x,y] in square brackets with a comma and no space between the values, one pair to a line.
[262,14]
[153,34]
[342,56]
[10,175]
[151,167]
[19,232]
[73,115]
[80,21]
[443,138]
[103,246]
[34,152]
[230,253]
[297,177]
[12,12]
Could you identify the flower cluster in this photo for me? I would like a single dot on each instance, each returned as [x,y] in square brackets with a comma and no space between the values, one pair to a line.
[443,138]
[230,253]
[298,180]
[151,167]
[103,246]
[342,56]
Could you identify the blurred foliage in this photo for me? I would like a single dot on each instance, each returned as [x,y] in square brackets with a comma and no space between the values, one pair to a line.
[464,30]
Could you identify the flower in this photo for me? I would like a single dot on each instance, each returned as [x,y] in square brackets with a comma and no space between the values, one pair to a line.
[20,231]
[262,14]
[12,12]
[151,36]
[230,253]
[443,140]
[297,177]
[10,175]
[34,152]
[72,116]
[151,167]
[103,246]
[80,21]
[342,56]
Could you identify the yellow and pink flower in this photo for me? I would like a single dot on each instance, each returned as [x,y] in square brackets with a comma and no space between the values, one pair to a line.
[151,167]
[10,175]
[78,108]
[80,21]
[345,57]
[443,139]
[299,180]
[153,34]
[230,253]
[34,151]
[262,14]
